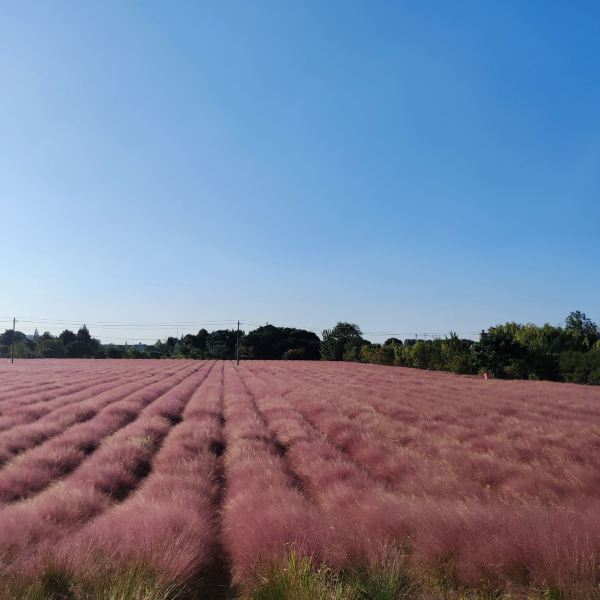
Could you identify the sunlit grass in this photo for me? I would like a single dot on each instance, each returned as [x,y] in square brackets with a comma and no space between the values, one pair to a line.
[302,579]
[136,582]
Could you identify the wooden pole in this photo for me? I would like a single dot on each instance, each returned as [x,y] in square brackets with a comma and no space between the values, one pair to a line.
[12,353]
[237,345]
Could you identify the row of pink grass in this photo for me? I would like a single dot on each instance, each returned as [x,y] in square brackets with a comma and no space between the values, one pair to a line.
[107,475]
[474,480]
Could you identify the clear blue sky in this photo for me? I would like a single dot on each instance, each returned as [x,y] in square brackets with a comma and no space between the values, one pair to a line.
[406,166]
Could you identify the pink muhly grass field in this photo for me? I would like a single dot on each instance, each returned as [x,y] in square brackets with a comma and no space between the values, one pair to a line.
[208,476]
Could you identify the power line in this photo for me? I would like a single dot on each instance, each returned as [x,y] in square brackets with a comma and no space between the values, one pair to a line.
[126,339]
[144,327]
[120,323]
[109,326]
[379,333]
[423,333]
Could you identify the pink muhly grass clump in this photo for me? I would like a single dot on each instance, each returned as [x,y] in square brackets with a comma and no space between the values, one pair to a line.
[108,475]
[473,474]
[170,522]
[52,422]
[35,472]
[264,516]
[505,546]
[262,526]
[37,468]
[178,542]
[488,484]
[31,407]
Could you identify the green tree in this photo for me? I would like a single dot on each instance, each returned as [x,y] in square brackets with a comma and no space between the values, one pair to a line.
[7,337]
[499,353]
[221,344]
[344,338]
[272,343]
[84,345]
[113,351]
[583,330]
[581,367]
[378,354]
[194,346]
[67,337]
[455,354]
[50,347]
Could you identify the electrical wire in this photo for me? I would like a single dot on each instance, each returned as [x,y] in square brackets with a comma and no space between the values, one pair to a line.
[120,326]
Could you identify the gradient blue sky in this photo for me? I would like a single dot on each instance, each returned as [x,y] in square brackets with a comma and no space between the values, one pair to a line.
[412,167]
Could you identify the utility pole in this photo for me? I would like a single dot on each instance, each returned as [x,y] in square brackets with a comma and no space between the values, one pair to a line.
[237,345]
[12,353]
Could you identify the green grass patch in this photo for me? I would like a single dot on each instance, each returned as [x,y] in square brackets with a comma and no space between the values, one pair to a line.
[136,582]
[299,578]
[302,579]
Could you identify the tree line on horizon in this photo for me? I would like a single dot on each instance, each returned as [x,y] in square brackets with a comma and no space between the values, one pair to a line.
[267,342]
[569,353]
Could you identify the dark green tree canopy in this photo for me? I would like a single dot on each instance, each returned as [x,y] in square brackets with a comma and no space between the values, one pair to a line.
[221,343]
[82,345]
[7,337]
[273,343]
[197,341]
[584,330]
[67,337]
[578,322]
[84,335]
[343,338]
